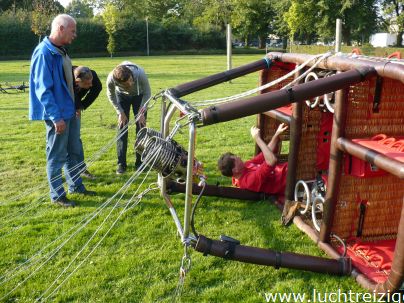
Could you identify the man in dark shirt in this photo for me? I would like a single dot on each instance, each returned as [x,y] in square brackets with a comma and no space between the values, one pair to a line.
[87,87]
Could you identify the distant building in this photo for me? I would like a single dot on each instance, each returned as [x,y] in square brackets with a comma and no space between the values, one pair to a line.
[383,39]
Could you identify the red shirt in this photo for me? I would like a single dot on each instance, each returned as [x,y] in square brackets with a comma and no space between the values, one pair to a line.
[258,176]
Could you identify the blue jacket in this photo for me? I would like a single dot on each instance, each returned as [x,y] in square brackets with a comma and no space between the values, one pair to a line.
[49,96]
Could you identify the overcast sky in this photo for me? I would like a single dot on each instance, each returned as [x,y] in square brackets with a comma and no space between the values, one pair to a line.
[64,2]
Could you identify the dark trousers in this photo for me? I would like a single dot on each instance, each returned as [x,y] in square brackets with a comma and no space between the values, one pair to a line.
[126,102]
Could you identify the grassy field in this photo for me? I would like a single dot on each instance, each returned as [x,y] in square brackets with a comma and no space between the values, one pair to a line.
[139,259]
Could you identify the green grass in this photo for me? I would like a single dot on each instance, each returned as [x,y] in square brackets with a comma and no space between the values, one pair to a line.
[139,260]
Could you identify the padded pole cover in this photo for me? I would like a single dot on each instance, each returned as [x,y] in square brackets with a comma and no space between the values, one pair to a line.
[270,257]
[272,100]
[217,191]
[193,86]
[392,166]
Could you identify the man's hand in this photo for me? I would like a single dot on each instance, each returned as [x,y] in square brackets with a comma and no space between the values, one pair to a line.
[141,119]
[281,128]
[122,120]
[78,113]
[255,132]
[60,126]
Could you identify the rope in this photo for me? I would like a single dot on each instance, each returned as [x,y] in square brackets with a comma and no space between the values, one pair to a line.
[57,249]
[267,85]
[303,75]
[147,105]
[33,204]
[137,201]
[52,253]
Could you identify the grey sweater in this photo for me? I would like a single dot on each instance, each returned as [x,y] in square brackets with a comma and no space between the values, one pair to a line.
[140,86]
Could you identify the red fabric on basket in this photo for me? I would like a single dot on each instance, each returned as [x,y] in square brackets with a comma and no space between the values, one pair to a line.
[373,259]
[287,110]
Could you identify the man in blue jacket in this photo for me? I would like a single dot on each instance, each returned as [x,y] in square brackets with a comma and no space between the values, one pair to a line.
[52,100]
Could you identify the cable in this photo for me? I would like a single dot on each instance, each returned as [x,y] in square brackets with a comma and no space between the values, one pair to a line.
[96,232]
[194,208]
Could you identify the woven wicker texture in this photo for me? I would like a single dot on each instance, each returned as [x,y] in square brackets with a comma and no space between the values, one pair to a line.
[384,195]
[268,125]
[311,125]
[363,122]
[368,208]
[306,169]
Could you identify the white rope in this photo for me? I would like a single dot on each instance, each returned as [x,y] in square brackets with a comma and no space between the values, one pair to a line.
[51,254]
[262,87]
[152,155]
[303,75]
[91,216]
[33,204]
[147,105]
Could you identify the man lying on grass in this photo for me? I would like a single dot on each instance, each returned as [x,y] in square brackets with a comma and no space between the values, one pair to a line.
[262,173]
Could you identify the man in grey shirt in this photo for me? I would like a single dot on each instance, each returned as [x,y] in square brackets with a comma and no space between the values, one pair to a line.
[127,86]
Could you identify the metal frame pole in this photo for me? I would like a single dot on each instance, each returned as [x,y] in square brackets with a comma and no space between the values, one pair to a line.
[338,35]
[166,115]
[188,190]
[147,36]
[229,50]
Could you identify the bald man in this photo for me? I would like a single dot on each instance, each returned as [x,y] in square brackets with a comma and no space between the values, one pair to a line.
[52,100]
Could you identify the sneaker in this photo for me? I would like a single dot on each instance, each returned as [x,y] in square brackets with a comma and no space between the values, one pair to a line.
[121,169]
[88,175]
[63,201]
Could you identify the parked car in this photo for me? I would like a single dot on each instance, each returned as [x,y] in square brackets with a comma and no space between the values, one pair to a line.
[238,44]
[274,45]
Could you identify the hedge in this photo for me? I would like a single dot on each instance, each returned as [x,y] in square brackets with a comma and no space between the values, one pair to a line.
[19,41]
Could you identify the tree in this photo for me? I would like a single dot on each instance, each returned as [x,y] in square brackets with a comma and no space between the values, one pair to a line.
[394,12]
[15,5]
[301,18]
[359,18]
[253,18]
[110,17]
[279,25]
[79,9]
[214,14]
[43,13]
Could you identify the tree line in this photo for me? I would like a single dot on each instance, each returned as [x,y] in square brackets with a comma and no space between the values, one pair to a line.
[306,21]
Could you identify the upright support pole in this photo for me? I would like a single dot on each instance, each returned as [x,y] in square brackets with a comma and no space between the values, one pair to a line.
[229,45]
[163,130]
[147,36]
[188,188]
[335,166]
[338,34]
[294,145]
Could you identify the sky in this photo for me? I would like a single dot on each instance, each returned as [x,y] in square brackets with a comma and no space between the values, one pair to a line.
[64,2]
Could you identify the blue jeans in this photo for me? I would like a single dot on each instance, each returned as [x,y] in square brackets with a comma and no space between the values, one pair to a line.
[80,160]
[63,150]
[126,102]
